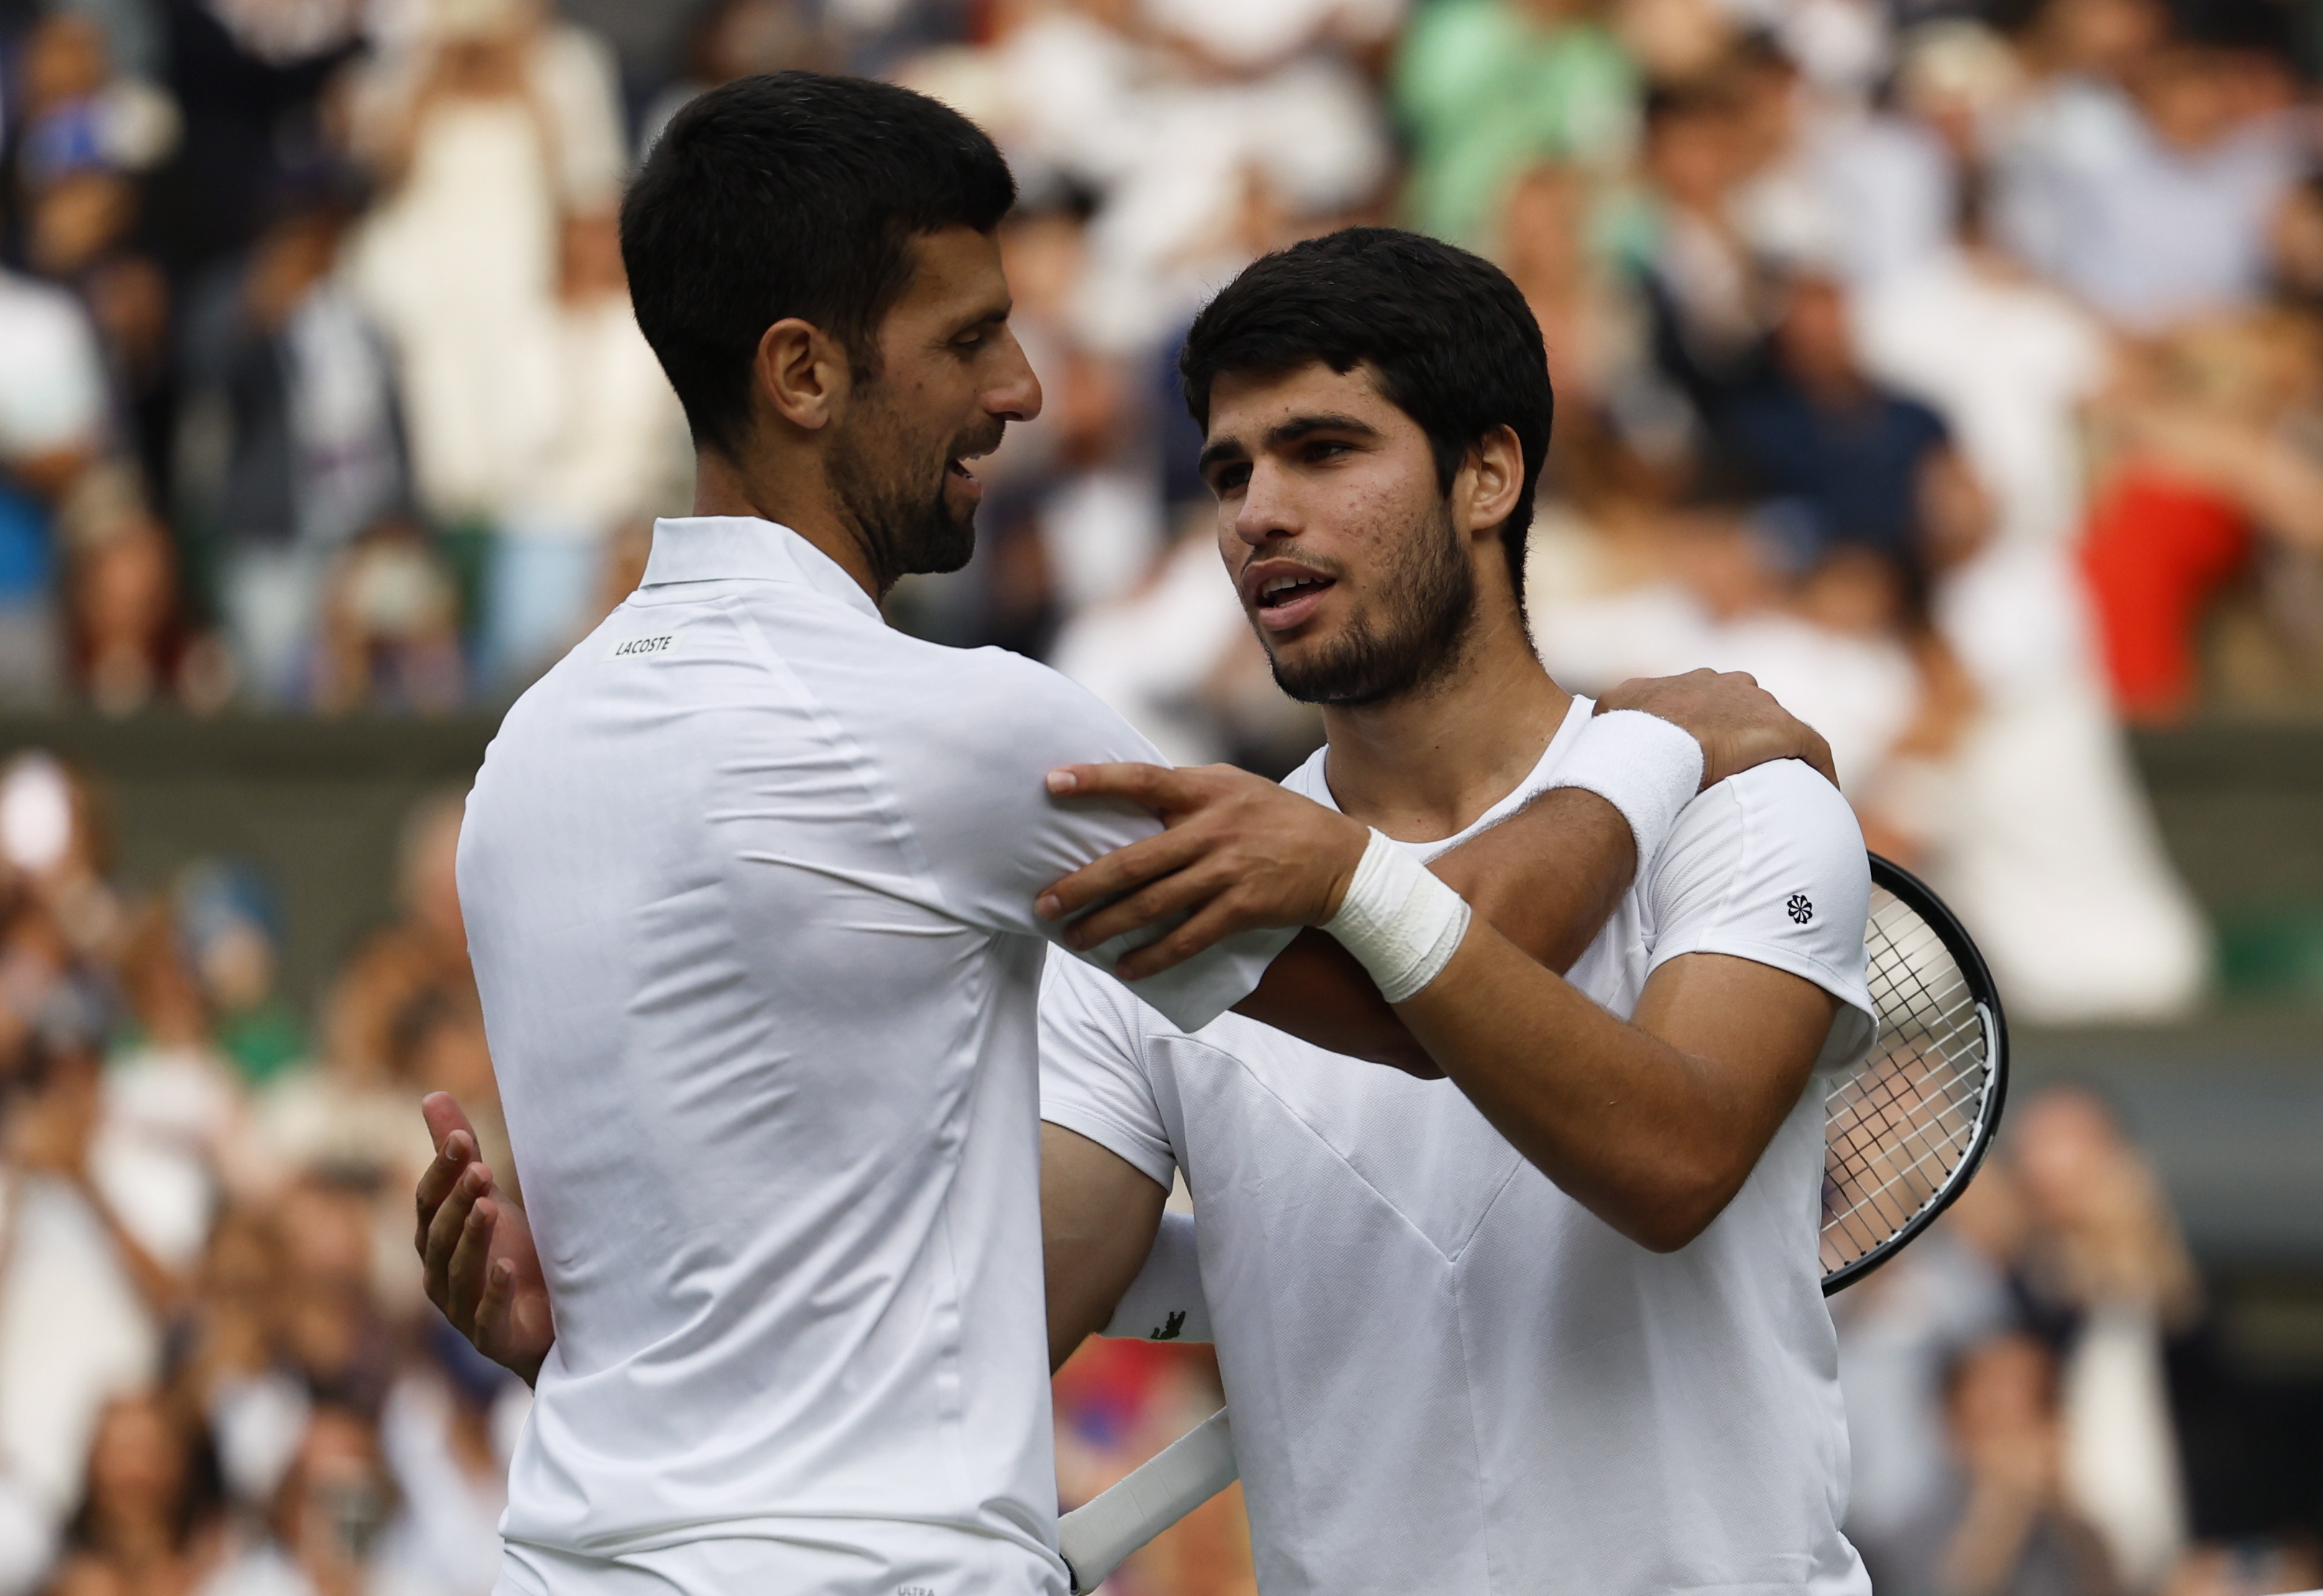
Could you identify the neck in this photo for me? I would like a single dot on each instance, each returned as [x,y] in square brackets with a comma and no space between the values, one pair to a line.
[792,493]
[1425,765]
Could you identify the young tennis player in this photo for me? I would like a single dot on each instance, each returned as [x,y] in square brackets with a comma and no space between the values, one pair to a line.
[1555,1325]
[749,886]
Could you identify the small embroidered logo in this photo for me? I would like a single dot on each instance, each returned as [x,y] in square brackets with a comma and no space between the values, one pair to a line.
[1170,1328]
[1799,909]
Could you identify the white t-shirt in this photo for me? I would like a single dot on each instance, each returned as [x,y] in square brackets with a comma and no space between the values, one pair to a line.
[1447,1375]
[749,880]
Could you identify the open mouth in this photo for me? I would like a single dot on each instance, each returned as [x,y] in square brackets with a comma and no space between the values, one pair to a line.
[1281,592]
[1286,596]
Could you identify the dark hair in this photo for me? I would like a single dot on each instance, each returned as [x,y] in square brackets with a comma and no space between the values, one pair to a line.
[791,194]
[1453,341]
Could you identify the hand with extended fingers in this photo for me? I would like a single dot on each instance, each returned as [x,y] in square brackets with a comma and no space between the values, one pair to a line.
[476,1248]
[1238,852]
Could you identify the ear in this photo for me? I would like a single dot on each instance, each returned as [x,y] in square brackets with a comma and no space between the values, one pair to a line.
[1484,493]
[802,373]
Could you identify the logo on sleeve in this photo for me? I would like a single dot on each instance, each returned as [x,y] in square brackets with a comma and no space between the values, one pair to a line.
[1171,1327]
[1799,909]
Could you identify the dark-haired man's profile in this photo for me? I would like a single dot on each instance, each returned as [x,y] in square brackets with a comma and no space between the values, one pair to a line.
[750,882]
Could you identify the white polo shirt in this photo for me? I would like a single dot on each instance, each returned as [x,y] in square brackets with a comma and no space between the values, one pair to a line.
[748,881]
[1448,1376]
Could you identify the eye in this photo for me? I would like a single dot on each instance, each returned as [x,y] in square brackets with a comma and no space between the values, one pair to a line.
[1228,479]
[1319,450]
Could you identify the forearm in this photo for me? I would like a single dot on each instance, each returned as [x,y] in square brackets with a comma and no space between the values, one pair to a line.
[1652,1123]
[1547,879]
[1652,1140]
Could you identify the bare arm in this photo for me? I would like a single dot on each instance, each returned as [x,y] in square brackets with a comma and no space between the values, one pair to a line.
[1548,879]
[1652,1125]
[1099,1216]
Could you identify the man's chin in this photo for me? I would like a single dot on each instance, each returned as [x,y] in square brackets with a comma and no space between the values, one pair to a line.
[945,545]
[1319,676]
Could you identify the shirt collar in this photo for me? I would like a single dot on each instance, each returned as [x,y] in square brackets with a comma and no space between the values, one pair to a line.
[727,548]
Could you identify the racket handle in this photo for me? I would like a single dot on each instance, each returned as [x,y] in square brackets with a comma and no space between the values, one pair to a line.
[1182,1477]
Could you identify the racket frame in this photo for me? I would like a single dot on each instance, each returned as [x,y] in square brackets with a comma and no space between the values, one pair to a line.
[1921,898]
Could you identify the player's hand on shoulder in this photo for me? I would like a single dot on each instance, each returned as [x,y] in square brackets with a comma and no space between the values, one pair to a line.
[476,1250]
[1738,722]
[1236,853]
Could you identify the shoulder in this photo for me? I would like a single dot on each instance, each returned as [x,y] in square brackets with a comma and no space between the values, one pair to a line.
[1051,718]
[1755,842]
[1076,992]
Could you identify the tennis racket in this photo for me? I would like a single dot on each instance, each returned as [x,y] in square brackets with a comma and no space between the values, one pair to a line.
[1904,1131]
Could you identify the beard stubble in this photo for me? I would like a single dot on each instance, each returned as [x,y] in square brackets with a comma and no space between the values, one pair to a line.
[1424,602]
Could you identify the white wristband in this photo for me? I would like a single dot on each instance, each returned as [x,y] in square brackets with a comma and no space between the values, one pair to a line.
[1400,922]
[1647,767]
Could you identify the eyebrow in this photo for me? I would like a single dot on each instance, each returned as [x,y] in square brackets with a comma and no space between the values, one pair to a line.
[1289,432]
[990,316]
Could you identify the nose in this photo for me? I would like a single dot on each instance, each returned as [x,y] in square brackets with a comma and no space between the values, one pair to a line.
[1016,395]
[1265,511]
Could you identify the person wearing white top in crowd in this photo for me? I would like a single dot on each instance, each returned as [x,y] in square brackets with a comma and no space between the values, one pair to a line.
[782,1271]
[2049,853]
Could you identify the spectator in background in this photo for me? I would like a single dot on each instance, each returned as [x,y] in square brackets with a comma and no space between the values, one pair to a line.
[730,39]
[2210,460]
[2143,174]
[2007,1526]
[294,400]
[128,642]
[249,78]
[2047,850]
[448,1427]
[326,1522]
[229,926]
[1902,1331]
[493,122]
[1488,87]
[81,1302]
[88,138]
[2108,1281]
[1854,462]
[52,428]
[390,630]
[1712,305]
[616,450]
[150,1517]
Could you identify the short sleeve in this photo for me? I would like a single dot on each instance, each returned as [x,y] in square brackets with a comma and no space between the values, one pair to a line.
[1769,866]
[1093,1078]
[983,810]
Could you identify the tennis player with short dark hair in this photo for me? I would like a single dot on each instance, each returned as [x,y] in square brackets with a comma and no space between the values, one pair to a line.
[750,888]
[1555,1325]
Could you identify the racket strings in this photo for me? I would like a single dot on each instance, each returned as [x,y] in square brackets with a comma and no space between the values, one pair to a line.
[1900,1124]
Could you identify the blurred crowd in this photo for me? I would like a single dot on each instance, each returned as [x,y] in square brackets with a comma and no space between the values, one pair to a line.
[218,1372]
[2016,1383]
[1955,366]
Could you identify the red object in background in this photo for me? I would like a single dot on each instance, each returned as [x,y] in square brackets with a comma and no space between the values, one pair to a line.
[2157,549]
